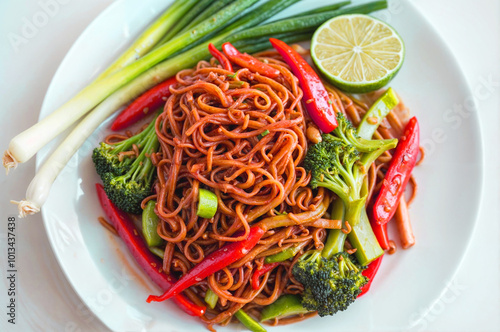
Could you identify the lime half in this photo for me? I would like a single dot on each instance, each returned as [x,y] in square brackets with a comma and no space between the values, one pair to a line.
[357,53]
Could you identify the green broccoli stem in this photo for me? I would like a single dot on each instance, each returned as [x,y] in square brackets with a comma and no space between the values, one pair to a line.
[139,139]
[361,235]
[336,237]
[142,170]
[363,239]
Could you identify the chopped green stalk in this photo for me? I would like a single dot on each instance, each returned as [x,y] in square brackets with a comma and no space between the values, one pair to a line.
[207,204]
[284,255]
[150,37]
[157,251]
[361,238]
[212,9]
[211,298]
[194,11]
[248,321]
[150,225]
[323,9]
[284,306]
[264,133]
[376,114]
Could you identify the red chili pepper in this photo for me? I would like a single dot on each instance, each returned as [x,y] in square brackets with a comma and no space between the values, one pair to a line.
[214,262]
[380,232]
[316,99]
[370,273]
[248,61]
[264,269]
[148,262]
[146,103]
[398,174]
[223,60]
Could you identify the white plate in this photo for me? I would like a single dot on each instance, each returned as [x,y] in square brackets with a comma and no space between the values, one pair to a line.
[430,82]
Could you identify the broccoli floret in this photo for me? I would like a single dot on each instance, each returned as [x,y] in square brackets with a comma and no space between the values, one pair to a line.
[106,157]
[347,133]
[340,163]
[127,181]
[128,190]
[330,285]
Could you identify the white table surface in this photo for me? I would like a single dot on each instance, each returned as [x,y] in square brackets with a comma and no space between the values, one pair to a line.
[46,302]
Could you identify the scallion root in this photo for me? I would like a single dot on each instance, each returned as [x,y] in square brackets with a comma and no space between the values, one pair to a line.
[26,208]
[9,161]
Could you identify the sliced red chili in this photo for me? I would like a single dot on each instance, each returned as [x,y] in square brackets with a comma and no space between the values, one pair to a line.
[398,174]
[146,103]
[248,61]
[223,60]
[380,232]
[316,100]
[370,273]
[259,272]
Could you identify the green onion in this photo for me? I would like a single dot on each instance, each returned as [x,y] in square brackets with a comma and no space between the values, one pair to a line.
[150,37]
[211,298]
[323,9]
[212,9]
[185,20]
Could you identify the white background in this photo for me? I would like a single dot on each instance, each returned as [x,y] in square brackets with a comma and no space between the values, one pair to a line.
[47,302]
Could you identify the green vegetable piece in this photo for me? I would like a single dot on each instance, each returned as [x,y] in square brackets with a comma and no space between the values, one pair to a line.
[211,298]
[286,305]
[379,110]
[336,238]
[150,225]
[207,203]
[282,256]
[264,133]
[248,321]
[157,251]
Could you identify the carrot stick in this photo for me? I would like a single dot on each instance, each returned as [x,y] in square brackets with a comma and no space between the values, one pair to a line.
[402,218]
